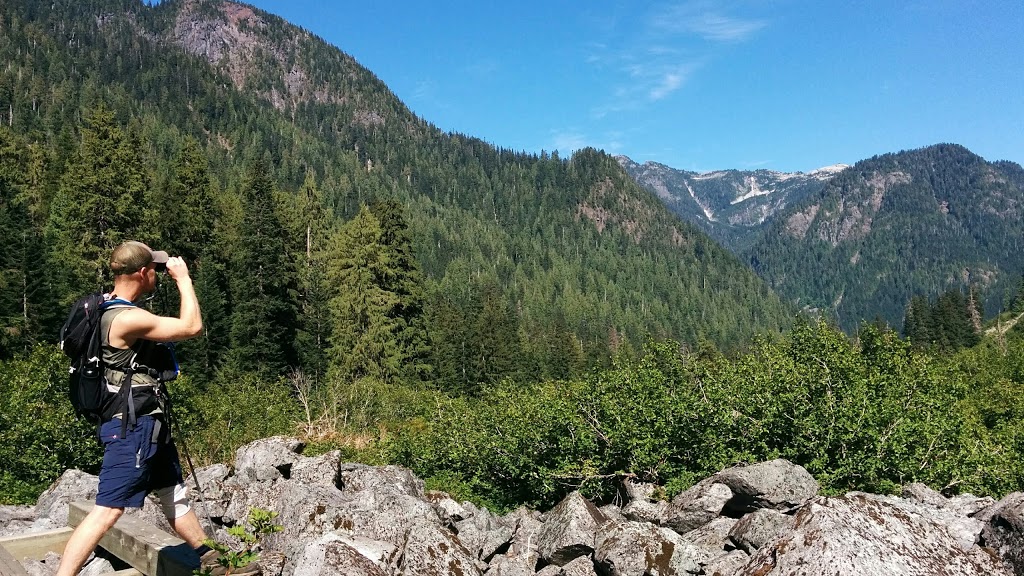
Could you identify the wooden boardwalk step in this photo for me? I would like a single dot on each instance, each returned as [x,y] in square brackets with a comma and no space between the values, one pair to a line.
[147,549]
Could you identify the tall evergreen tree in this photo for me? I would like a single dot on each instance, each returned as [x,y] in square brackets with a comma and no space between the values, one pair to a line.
[262,279]
[374,333]
[314,327]
[99,204]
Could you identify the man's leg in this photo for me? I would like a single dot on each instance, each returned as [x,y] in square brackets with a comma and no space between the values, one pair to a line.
[189,528]
[85,538]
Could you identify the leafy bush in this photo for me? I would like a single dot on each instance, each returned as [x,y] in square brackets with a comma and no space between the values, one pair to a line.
[234,409]
[40,436]
[869,414]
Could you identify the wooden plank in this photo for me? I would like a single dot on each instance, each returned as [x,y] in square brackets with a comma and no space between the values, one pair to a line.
[9,566]
[142,545]
[36,545]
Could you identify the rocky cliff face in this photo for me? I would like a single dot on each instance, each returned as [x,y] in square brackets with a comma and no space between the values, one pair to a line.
[760,519]
[730,205]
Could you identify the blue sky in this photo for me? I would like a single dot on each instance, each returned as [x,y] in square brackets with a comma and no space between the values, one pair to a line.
[698,84]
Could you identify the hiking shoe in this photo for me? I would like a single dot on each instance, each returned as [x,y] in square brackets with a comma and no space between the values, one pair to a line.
[211,560]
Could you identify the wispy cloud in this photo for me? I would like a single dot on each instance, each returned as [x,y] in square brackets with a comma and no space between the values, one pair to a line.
[664,50]
[706,20]
[567,141]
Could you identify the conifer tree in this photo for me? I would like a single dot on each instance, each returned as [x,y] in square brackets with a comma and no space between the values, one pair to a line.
[99,204]
[377,325]
[314,291]
[262,278]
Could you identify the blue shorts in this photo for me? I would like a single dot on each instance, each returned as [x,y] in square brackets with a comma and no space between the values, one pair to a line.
[135,465]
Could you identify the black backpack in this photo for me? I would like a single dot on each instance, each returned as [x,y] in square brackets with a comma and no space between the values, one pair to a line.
[80,341]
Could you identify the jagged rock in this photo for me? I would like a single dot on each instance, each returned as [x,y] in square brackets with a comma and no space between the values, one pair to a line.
[758,528]
[646,511]
[713,536]
[519,565]
[612,512]
[643,549]
[15,520]
[447,508]
[552,570]
[524,540]
[581,566]
[867,536]
[727,564]
[484,533]
[433,551]
[268,458]
[310,511]
[383,554]
[244,495]
[697,506]
[45,567]
[777,484]
[570,530]
[640,490]
[73,485]
[322,469]
[379,479]
[95,567]
[1003,529]
[214,497]
[968,504]
[919,492]
[330,556]
[966,531]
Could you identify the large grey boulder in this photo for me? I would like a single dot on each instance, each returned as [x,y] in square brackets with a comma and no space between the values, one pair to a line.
[1003,529]
[867,537]
[516,565]
[643,549]
[268,458]
[72,486]
[758,528]
[308,512]
[431,550]
[379,479]
[965,531]
[322,469]
[484,533]
[570,530]
[700,504]
[727,564]
[330,556]
[713,536]
[777,484]
[581,566]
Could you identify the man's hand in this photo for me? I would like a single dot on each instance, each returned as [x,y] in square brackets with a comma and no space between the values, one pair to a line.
[176,268]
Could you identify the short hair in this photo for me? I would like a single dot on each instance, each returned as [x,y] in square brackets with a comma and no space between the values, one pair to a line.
[130,257]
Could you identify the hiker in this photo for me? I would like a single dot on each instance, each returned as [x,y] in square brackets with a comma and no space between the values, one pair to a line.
[139,456]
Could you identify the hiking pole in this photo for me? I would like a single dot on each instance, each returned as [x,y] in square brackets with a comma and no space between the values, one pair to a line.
[188,459]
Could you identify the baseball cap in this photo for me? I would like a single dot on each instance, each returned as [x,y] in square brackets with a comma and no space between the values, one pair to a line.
[132,256]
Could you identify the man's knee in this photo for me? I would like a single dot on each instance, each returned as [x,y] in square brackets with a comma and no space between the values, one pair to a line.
[104,516]
[173,501]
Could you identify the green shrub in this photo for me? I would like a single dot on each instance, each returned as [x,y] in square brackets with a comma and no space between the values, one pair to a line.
[40,436]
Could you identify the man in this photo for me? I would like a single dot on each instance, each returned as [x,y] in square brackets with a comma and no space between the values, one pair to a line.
[138,455]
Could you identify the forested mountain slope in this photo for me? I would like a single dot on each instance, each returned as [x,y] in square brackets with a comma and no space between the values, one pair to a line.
[219,131]
[894,226]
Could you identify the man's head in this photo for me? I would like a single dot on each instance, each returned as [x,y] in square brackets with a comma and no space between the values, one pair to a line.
[134,257]
[131,257]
